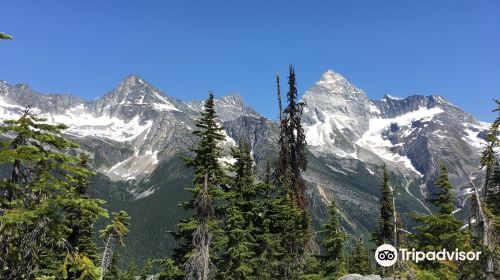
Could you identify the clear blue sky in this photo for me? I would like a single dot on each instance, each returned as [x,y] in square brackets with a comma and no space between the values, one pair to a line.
[186,48]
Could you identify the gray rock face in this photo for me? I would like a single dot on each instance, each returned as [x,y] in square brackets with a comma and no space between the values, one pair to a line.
[228,107]
[132,130]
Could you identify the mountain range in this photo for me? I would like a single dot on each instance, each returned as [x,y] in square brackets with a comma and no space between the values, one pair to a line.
[135,134]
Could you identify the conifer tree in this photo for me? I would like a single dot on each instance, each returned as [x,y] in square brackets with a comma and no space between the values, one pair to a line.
[130,272]
[168,269]
[292,221]
[35,199]
[241,214]
[333,243]
[485,208]
[385,229]
[360,263]
[147,269]
[113,233]
[440,230]
[269,250]
[292,157]
[196,233]
[491,192]
[82,216]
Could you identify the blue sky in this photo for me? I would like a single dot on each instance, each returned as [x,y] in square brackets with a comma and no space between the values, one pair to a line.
[186,48]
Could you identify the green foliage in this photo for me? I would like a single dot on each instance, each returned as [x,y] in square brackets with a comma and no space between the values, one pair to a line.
[4,36]
[113,272]
[168,269]
[241,211]
[440,230]
[76,266]
[147,269]
[360,260]
[290,221]
[333,263]
[384,232]
[118,227]
[38,200]
[201,233]
[130,272]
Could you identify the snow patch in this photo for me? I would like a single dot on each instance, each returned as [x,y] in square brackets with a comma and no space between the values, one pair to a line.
[145,193]
[374,108]
[84,124]
[369,170]
[337,170]
[373,140]
[137,165]
[472,138]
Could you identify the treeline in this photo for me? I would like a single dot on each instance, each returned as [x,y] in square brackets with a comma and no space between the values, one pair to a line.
[244,225]
[257,226]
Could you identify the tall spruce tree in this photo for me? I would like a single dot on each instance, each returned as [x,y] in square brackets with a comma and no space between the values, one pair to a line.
[269,251]
[82,216]
[292,221]
[36,199]
[241,216]
[385,229]
[333,263]
[196,233]
[440,230]
[360,259]
[296,142]
[168,270]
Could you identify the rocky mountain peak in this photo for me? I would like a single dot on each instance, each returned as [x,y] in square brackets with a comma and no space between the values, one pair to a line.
[132,80]
[135,92]
[335,83]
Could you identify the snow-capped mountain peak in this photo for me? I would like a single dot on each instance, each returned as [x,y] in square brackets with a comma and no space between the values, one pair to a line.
[136,92]
[334,82]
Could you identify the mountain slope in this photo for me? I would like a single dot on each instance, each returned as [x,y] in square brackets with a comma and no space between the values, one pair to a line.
[135,133]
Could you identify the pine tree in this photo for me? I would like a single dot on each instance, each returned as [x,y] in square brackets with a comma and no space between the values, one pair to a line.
[360,263]
[268,250]
[292,159]
[35,199]
[489,162]
[130,272]
[440,230]
[196,233]
[385,230]
[82,216]
[114,234]
[168,269]
[241,214]
[485,211]
[333,264]
[147,269]
[292,221]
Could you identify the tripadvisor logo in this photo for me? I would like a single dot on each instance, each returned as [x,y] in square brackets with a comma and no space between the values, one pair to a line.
[387,255]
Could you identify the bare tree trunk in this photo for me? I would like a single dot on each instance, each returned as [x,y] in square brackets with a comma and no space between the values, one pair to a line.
[486,238]
[198,265]
[107,256]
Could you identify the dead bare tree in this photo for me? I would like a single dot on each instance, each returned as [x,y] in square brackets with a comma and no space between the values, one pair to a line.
[485,230]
